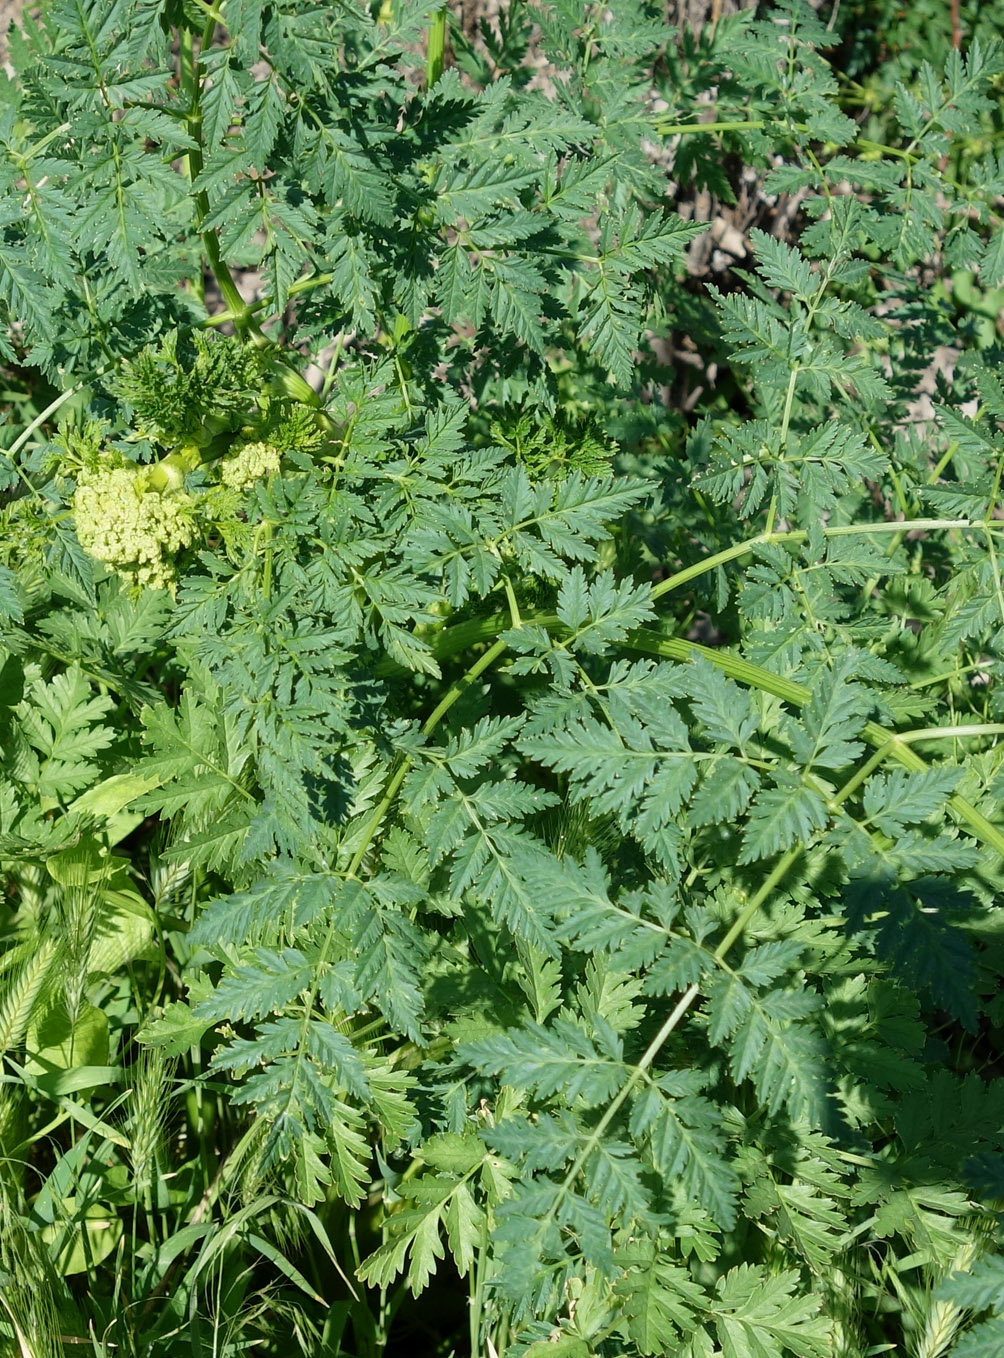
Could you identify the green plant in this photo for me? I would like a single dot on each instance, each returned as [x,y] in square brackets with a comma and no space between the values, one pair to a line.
[398,890]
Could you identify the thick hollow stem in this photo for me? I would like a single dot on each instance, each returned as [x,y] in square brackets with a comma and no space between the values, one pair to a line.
[436,50]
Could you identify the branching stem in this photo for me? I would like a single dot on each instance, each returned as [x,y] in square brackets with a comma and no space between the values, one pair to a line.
[741,549]
[683,1004]
[894,745]
[403,763]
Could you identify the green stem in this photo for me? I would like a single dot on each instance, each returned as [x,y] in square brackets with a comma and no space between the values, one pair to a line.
[955,673]
[452,640]
[403,763]
[681,129]
[987,728]
[513,603]
[266,574]
[895,745]
[461,686]
[25,158]
[647,1058]
[240,312]
[888,746]
[879,148]
[789,400]
[436,51]
[866,770]
[776,875]
[741,549]
[315,280]
[37,423]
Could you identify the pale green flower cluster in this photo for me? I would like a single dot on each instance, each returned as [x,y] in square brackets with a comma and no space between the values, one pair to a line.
[124,523]
[248,464]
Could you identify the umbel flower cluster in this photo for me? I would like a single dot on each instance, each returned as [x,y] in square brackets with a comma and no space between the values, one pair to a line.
[248,463]
[135,518]
[122,521]
[223,412]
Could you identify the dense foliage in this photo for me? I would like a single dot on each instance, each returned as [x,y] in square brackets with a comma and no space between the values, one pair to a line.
[500,793]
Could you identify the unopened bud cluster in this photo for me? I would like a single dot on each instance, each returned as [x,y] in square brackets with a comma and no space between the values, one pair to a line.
[124,523]
[249,463]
